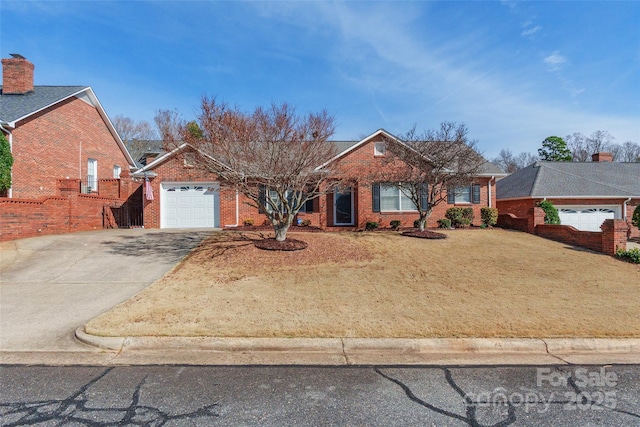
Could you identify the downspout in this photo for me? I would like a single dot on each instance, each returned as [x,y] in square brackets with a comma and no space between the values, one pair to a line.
[624,208]
[10,192]
[237,211]
[492,178]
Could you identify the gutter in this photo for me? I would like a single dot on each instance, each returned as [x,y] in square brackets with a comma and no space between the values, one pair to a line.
[492,178]
[624,208]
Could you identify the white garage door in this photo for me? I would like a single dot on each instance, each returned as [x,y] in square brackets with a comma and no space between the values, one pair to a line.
[190,205]
[587,218]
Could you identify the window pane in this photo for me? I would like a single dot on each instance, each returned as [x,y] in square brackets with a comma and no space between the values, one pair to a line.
[463,195]
[389,200]
[406,204]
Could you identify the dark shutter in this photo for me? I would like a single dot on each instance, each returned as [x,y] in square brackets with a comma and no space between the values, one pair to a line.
[308,206]
[262,198]
[451,195]
[375,191]
[424,196]
[475,193]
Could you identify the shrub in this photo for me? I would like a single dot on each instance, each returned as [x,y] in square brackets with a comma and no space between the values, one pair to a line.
[460,217]
[489,216]
[248,221]
[305,222]
[371,225]
[395,224]
[551,215]
[635,218]
[444,223]
[632,255]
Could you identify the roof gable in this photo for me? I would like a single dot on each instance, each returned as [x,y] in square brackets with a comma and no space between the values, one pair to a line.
[15,108]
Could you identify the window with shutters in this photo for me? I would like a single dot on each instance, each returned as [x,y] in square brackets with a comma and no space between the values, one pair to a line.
[464,195]
[392,198]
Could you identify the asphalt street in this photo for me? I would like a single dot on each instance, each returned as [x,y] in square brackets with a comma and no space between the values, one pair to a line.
[313,396]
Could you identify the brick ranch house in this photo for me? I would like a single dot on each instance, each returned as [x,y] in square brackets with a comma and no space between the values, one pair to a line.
[63,144]
[585,194]
[185,196]
[56,132]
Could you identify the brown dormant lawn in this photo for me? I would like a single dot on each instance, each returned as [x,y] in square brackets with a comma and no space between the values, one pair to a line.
[475,283]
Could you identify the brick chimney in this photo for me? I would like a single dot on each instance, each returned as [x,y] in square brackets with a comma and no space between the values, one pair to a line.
[17,75]
[602,157]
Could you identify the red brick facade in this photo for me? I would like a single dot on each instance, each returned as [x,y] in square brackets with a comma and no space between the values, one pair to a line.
[57,143]
[356,165]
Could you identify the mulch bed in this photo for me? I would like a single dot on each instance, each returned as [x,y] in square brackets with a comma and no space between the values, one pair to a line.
[293,228]
[425,234]
[273,245]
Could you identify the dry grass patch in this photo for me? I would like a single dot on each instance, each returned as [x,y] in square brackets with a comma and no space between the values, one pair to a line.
[476,283]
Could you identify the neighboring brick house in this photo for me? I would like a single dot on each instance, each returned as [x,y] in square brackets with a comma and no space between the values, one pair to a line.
[185,196]
[56,132]
[585,194]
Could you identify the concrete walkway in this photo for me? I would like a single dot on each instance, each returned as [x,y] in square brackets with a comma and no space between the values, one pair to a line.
[51,286]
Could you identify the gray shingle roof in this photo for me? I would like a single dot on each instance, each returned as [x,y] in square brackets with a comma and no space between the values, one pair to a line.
[572,179]
[14,107]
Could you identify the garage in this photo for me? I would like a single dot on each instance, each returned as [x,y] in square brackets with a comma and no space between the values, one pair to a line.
[190,205]
[587,218]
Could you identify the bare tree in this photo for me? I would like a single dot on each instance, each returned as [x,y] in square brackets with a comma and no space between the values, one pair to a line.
[510,163]
[525,159]
[426,165]
[627,152]
[271,155]
[577,143]
[170,125]
[599,141]
[134,134]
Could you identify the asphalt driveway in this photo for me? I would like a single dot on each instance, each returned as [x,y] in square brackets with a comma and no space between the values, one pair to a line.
[51,285]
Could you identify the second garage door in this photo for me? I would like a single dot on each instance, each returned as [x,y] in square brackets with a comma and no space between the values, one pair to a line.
[587,218]
[190,205]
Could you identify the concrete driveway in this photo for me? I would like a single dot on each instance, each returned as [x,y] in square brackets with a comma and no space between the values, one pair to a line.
[51,285]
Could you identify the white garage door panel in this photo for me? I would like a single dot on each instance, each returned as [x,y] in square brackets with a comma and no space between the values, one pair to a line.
[190,205]
[587,218]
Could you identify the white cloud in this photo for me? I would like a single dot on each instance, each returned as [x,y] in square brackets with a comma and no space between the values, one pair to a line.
[528,32]
[555,61]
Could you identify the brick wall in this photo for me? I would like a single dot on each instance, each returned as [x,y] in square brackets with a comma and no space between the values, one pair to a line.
[66,212]
[571,236]
[613,235]
[57,143]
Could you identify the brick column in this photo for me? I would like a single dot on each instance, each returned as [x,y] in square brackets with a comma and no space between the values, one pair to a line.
[535,217]
[614,235]
[70,188]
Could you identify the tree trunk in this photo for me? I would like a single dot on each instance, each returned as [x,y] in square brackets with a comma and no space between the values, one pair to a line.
[423,219]
[281,228]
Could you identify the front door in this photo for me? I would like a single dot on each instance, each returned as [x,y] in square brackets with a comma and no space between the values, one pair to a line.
[343,206]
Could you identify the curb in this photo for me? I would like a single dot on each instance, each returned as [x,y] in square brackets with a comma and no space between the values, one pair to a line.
[354,346]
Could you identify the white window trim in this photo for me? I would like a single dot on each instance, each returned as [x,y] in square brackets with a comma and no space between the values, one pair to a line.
[469,191]
[400,193]
[379,149]
[117,170]
[92,166]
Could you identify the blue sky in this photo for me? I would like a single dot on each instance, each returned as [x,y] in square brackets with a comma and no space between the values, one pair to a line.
[514,72]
